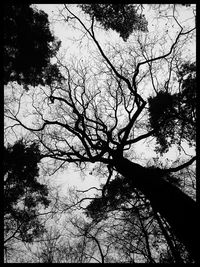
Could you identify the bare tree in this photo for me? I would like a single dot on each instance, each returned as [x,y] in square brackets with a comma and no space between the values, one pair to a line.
[92,119]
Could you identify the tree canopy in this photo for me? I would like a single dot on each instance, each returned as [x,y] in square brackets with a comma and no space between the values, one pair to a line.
[105,113]
[123,18]
[23,193]
[176,113]
[29,46]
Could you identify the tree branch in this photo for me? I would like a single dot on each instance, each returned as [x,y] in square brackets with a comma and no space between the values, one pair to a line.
[92,35]
[186,164]
[137,139]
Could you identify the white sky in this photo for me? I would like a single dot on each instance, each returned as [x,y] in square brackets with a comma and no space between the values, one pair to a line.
[71,177]
[65,34]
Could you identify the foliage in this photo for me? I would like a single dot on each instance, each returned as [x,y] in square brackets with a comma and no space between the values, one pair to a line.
[129,222]
[98,114]
[136,228]
[173,116]
[116,193]
[28,46]
[123,18]
[23,194]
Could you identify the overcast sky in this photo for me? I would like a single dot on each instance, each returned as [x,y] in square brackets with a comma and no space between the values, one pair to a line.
[70,177]
[66,34]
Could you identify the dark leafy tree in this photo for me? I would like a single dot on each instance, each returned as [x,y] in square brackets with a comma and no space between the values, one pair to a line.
[28,46]
[123,18]
[23,193]
[173,116]
[116,193]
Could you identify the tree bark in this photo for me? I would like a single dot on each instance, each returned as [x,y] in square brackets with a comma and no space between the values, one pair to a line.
[175,206]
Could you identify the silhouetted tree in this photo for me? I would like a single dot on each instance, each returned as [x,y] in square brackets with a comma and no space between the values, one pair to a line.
[123,18]
[173,116]
[97,115]
[23,193]
[146,228]
[28,46]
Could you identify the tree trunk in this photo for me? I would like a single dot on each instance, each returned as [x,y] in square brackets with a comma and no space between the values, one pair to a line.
[176,207]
